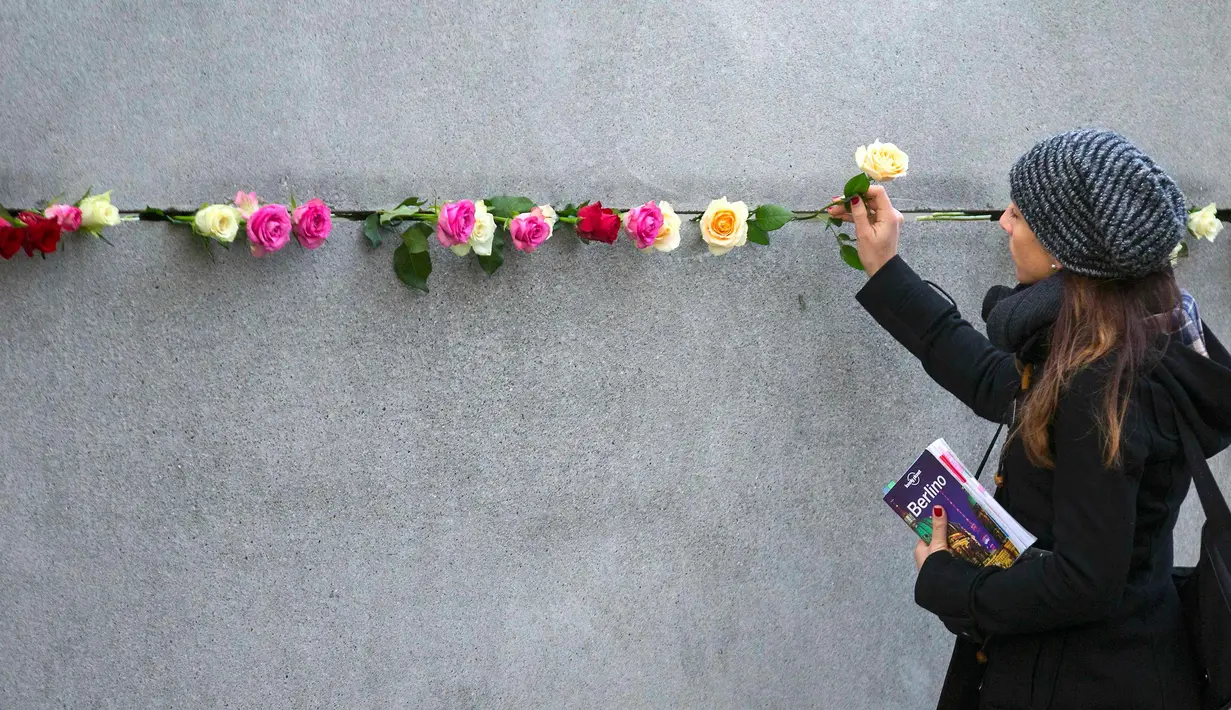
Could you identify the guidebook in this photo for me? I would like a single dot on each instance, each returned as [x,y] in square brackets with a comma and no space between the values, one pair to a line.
[980,530]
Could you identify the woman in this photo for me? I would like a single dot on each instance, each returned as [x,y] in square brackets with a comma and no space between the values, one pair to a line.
[1088,362]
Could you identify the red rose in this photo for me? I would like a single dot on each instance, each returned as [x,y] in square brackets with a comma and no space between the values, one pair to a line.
[41,234]
[10,240]
[597,224]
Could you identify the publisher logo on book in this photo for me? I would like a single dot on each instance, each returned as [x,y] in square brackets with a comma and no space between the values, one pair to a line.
[913,478]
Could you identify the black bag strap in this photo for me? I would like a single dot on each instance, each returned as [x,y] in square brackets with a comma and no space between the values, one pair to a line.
[1217,514]
[990,445]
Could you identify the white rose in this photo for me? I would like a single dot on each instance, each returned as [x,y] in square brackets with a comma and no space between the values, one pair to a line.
[1204,224]
[884,162]
[220,222]
[669,234]
[98,212]
[549,214]
[483,235]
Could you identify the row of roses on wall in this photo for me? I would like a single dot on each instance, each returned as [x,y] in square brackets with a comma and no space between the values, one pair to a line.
[480,227]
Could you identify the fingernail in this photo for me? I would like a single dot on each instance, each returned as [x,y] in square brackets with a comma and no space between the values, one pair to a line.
[937,511]
[855,200]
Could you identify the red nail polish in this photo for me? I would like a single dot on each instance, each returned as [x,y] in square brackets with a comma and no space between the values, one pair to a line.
[937,511]
[855,200]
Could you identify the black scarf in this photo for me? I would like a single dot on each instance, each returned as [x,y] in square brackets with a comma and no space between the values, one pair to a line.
[1019,319]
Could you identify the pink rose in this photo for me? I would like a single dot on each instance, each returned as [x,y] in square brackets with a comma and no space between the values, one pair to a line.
[311,223]
[529,230]
[269,229]
[643,224]
[456,223]
[247,202]
[68,216]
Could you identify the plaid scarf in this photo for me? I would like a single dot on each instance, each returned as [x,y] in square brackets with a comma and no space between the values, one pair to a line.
[1189,323]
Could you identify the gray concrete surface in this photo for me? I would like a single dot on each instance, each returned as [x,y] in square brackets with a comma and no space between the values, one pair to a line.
[595,480]
[363,103]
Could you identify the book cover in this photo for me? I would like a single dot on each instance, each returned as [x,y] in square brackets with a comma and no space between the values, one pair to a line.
[973,535]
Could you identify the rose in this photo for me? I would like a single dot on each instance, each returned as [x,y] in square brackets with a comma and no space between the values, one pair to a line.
[529,230]
[643,223]
[669,234]
[220,222]
[68,216]
[724,225]
[10,239]
[269,229]
[311,223]
[882,161]
[40,234]
[483,235]
[1204,223]
[455,223]
[596,224]
[549,214]
[247,202]
[98,212]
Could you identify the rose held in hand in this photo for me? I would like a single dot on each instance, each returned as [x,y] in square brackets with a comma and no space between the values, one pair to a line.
[643,224]
[269,229]
[1204,223]
[312,223]
[883,162]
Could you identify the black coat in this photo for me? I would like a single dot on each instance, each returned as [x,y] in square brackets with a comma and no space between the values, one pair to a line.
[1092,620]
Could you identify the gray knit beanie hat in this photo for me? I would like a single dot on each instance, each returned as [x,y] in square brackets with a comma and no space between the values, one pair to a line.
[1099,204]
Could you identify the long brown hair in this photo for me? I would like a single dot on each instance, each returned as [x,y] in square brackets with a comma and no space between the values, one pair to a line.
[1115,323]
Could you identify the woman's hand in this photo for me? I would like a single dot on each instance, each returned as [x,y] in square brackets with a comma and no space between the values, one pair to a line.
[877,227]
[940,538]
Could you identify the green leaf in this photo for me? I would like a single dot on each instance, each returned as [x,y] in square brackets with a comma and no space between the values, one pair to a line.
[371,229]
[507,207]
[851,256]
[835,222]
[87,194]
[399,212]
[7,216]
[771,217]
[844,237]
[857,185]
[757,233]
[415,237]
[494,261]
[293,205]
[154,213]
[410,202]
[412,267]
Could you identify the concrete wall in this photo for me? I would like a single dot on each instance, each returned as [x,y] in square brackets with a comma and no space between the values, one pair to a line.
[597,479]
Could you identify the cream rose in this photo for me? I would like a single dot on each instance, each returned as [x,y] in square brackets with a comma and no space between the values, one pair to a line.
[883,162]
[219,222]
[1204,223]
[669,234]
[483,235]
[549,214]
[98,212]
[724,225]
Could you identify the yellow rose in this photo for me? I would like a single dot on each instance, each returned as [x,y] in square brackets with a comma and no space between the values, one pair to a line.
[882,161]
[724,225]
[98,212]
[669,234]
[1204,223]
[219,222]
